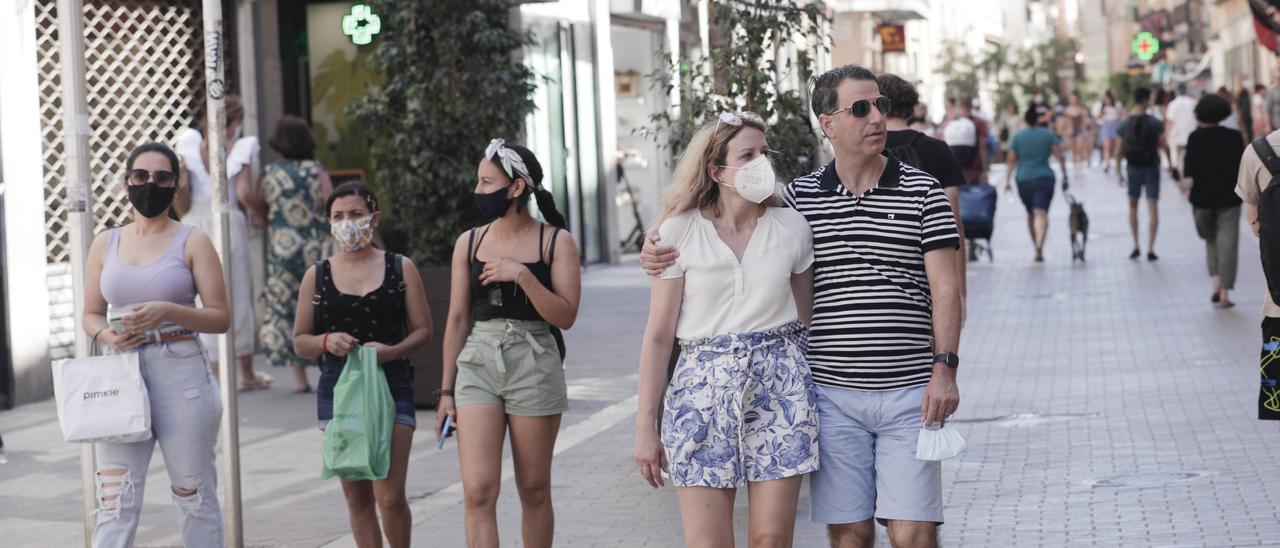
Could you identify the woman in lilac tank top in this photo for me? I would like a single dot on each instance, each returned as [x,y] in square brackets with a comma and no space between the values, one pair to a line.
[149,273]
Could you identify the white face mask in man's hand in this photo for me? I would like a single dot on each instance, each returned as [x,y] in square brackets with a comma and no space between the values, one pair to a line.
[939,442]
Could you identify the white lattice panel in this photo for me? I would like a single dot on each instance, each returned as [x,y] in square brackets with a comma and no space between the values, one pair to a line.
[144,82]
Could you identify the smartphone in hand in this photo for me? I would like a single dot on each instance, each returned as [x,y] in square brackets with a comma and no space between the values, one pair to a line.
[446,431]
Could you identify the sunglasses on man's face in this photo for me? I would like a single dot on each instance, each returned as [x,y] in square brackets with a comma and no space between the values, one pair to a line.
[142,177]
[861,108]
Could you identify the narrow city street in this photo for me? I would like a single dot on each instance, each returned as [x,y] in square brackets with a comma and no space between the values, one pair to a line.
[1104,404]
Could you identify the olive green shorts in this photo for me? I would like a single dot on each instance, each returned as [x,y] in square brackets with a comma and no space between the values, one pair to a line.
[513,364]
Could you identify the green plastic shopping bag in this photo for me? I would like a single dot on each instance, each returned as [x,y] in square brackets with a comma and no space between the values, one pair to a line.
[357,441]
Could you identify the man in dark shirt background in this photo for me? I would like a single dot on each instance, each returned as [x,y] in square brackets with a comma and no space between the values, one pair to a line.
[923,152]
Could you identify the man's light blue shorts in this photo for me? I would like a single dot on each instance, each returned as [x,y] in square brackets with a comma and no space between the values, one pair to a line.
[867,447]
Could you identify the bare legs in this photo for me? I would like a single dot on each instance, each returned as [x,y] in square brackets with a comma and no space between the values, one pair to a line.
[1038,227]
[707,514]
[1153,225]
[386,495]
[902,534]
[481,429]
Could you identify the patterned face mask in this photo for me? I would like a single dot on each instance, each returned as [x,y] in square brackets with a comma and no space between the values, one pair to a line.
[353,234]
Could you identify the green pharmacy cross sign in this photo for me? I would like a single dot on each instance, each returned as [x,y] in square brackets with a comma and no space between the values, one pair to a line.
[1145,46]
[361,24]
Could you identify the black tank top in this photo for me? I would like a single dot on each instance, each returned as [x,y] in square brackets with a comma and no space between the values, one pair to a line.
[377,316]
[513,304]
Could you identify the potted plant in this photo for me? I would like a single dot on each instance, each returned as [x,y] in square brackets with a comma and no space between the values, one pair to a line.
[451,81]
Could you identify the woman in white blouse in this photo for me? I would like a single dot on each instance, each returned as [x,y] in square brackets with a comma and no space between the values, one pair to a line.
[739,410]
[191,147]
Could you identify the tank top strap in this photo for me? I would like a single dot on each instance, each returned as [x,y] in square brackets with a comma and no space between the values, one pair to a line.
[542,233]
[551,249]
[113,245]
[321,297]
[179,246]
[475,249]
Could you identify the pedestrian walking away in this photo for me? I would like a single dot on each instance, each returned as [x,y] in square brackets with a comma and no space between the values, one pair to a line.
[966,134]
[1255,177]
[1180,120]
[1212,164]
[739,409]
[366,297]
[1141,140]
[886,320]
[516,283]
[149,273]
[192,149]
[1029,157]
[1078,141]
[294,192]
[923,152]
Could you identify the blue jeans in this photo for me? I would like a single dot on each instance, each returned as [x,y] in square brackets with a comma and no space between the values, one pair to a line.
[1144,177]
[399,379]
[185,412]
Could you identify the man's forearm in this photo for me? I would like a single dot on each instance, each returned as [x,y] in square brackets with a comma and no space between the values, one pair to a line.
[946,320]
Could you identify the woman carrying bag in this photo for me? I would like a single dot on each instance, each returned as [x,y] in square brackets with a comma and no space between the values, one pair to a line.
[149,273]
[364,296]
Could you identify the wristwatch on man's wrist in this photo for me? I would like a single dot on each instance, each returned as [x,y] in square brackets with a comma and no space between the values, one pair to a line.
[949,359]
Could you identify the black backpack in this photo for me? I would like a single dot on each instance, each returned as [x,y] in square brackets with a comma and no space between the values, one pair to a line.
[1140,140]
[907,153]
[1269,218]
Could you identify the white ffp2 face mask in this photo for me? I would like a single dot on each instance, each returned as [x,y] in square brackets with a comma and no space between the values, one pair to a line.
[755,180]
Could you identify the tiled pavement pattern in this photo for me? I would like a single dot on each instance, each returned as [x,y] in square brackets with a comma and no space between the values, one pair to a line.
[1094,375]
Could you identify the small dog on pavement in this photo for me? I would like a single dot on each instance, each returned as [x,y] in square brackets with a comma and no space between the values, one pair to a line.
[1079,221]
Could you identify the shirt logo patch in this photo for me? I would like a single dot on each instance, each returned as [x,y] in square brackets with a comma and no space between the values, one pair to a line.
[890,215]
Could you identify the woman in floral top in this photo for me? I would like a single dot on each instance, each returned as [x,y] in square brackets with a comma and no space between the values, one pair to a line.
[295,190]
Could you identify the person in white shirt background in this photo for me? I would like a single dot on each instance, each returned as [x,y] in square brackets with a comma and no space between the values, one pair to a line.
[190,146]
[740,407]
[1181,121]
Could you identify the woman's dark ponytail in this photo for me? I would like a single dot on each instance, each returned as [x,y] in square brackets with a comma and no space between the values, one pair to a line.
[547,206]
[546,201]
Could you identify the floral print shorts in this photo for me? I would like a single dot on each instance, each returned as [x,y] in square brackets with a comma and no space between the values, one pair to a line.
[741,408]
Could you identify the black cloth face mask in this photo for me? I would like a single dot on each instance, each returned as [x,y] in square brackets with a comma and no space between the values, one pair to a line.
[494,204]
[150,199]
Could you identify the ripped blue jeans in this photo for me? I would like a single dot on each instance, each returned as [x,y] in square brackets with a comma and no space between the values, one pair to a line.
[185,412]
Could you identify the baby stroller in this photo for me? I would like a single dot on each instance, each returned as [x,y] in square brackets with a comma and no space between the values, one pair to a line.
[978,213]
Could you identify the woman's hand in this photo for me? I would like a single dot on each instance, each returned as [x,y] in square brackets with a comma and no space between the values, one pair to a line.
[148,316]
[504,270]
[339,344]
[122,343]
[444,409]
[384,351]
[650,456]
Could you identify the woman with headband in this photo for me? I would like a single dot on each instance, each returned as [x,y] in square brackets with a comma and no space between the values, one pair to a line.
[516,283]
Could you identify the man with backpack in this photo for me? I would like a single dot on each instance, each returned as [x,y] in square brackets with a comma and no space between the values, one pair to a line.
[923,152]
[1256,185]
[1141,141]
[966,134]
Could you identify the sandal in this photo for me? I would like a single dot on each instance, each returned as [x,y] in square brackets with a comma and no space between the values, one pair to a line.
[259,381]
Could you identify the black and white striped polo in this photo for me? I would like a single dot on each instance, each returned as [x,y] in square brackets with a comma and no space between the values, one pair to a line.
[872,317]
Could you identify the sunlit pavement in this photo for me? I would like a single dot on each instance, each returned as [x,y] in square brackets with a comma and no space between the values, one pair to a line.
[1104,403]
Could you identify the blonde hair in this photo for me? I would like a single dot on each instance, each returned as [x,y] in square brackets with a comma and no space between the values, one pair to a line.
[691,184]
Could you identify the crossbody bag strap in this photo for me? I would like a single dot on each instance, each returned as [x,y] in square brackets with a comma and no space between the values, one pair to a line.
[1267,154]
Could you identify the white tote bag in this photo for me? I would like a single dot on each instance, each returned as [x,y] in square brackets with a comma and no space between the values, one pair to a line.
[102,399]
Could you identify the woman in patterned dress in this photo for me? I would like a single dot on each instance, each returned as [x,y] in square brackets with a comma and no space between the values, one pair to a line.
[295,190]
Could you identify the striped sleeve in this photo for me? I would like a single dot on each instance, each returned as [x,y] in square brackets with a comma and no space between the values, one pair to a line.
[937,222]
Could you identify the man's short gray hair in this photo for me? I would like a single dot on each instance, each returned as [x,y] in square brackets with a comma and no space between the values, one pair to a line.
[823,98]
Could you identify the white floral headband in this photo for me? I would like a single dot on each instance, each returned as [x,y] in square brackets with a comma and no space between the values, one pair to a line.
[511,161]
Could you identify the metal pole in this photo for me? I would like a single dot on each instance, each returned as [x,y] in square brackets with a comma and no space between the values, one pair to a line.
[214,44]
[75,125]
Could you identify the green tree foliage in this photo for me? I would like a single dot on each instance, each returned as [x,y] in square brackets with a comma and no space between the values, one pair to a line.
[1122,85]
[958,69]
[750,67]
[451,83]
[1038,67]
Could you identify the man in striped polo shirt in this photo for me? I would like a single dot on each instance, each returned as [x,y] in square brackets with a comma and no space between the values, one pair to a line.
[886,320]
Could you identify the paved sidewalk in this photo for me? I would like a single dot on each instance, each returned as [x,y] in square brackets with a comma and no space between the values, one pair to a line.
[1104,404]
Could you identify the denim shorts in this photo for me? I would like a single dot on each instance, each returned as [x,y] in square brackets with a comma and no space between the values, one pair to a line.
[399,377]
[869,465]
[1144,177]
[1036,193]
[740,408]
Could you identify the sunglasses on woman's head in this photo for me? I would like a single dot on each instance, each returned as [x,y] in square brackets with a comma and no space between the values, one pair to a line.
[142,177]
[861,108]
[735,119]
